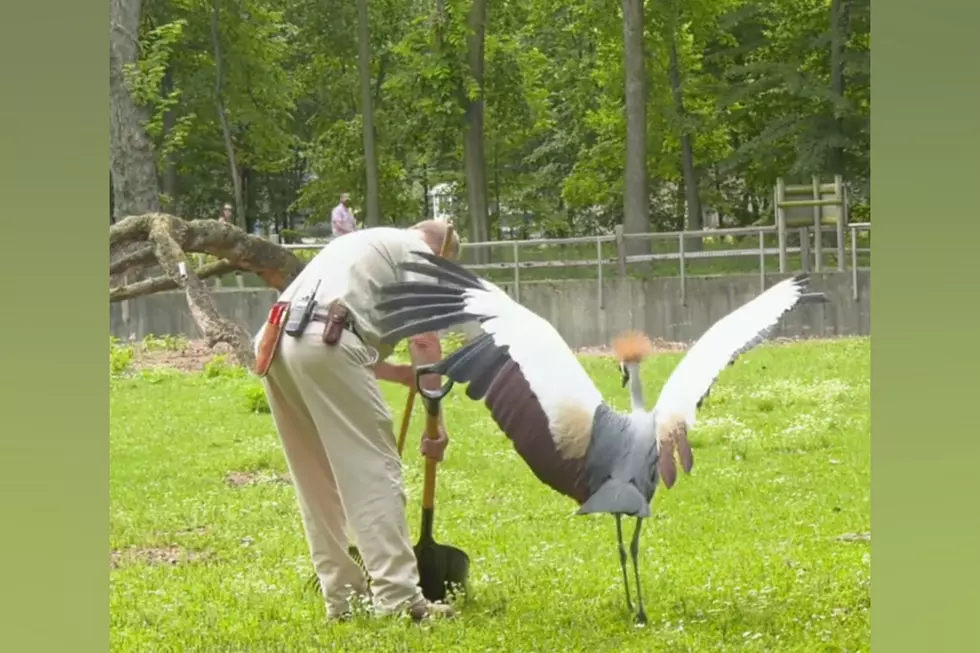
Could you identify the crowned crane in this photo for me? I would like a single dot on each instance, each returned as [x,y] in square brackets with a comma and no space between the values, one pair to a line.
[541,397]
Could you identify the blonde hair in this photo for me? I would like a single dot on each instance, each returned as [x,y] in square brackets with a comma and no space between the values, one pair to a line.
[434,233]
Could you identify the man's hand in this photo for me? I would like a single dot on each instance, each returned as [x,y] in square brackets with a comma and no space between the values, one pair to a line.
[435,448]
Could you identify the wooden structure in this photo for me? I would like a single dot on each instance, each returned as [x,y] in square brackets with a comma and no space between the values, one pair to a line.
[817,206]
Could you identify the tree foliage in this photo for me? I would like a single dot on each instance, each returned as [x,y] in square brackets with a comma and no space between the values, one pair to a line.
[756,91]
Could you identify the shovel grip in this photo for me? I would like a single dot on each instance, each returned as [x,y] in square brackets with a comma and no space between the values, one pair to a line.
[432,399]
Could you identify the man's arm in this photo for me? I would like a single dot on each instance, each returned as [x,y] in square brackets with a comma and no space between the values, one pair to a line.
[425,349]
[402,374]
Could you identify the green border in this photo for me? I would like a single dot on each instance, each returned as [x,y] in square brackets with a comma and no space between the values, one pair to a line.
[54,432]
[926,144]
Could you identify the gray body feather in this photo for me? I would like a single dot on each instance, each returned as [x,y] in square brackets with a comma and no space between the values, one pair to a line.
[620,465]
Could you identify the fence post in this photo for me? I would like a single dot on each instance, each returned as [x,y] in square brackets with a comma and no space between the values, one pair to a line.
[841,193]
[780,222]
[854,262]
[762,261]
[818,225]
[680,251]
[598,256]
[517,273]
[620,251]
[805,249]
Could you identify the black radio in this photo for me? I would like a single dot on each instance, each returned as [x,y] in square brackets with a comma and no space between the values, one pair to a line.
[301,313]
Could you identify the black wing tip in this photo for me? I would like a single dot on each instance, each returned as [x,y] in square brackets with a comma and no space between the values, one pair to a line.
[447,264]
[814,298]
[802,283]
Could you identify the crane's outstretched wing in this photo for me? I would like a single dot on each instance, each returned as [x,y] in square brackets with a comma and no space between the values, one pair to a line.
[726,340]
[719,347]
[537,391]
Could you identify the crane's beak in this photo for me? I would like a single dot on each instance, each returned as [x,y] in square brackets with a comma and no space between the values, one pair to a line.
[625,372]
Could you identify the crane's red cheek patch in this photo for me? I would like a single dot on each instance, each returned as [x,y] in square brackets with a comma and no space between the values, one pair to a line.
[666,465]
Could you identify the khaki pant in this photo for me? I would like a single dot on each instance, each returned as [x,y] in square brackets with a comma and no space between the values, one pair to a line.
[337,435]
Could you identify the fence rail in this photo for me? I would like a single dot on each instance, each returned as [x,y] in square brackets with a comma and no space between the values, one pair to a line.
[810,256]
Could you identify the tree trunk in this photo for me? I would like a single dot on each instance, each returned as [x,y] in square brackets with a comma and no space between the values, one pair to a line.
[135,188]
[427,208]
[132,162]
[681,208]
[840,29]
[372,217]
[170,189]
[694,216]
[496,195]
[223,118]
[476,173]
[636,211]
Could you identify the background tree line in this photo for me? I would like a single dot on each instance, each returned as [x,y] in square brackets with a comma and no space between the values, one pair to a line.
[541,116]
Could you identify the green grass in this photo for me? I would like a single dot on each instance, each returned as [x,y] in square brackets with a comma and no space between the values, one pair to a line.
[742,555]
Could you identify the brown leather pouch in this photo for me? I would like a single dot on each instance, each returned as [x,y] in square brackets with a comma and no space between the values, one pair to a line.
[336,321]
[271,335]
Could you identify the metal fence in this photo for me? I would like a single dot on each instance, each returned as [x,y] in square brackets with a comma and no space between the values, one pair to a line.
[611,250]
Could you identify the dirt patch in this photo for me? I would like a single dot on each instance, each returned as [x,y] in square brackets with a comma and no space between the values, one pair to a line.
[244,479]
[154,556]
[189,357]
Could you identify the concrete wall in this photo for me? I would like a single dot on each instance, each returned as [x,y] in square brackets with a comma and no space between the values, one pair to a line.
[655,306]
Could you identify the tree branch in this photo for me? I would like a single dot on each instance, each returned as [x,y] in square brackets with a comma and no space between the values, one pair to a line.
[168,239]
[213,327]
[137,258]
[163,284]
[275,265]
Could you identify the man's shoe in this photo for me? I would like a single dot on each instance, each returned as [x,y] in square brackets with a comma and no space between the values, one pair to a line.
[425,610]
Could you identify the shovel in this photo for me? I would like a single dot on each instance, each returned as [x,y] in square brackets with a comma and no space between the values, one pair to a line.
[443,569]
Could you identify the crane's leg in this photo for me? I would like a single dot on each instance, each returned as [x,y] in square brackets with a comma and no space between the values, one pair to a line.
[622,560]
[641,615]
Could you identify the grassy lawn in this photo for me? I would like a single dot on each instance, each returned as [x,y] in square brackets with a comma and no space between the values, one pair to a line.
[745,554]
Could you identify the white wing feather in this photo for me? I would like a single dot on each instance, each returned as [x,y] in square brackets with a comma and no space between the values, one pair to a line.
[551,369]
[730,336]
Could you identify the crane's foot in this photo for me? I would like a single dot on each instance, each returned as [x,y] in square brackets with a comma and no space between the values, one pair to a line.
[641,618]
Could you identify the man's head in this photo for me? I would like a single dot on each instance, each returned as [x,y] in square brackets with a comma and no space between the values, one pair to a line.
[226,212]
[434,233]
[345,199]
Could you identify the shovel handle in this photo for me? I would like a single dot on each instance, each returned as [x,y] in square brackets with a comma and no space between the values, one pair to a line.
[433,399]
[406,420]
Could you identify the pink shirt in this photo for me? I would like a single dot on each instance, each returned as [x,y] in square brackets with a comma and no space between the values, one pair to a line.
[342,220]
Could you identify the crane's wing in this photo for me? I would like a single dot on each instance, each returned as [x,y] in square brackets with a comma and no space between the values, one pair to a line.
[723,343]
[537,391]
[719,347]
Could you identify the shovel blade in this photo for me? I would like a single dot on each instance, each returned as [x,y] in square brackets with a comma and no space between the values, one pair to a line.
[443,570]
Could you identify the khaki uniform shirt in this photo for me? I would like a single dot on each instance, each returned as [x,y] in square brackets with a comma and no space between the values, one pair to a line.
[353,267]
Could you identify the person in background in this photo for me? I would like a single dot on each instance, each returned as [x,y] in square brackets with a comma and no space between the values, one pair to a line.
[342,219]
[225,215]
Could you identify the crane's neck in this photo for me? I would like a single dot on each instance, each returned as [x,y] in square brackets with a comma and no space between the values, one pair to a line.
[636,388]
